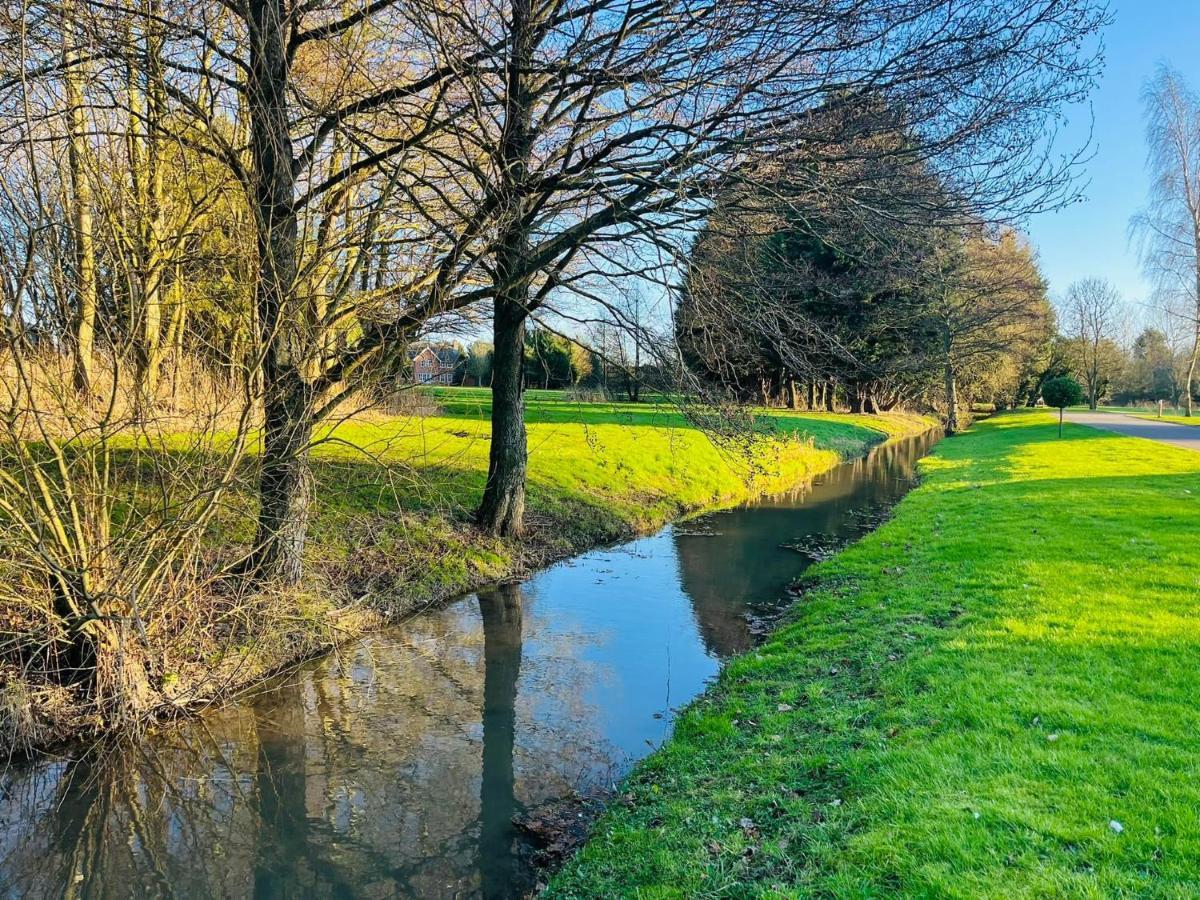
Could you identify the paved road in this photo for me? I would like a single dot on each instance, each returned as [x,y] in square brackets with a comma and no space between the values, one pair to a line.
[1186,436]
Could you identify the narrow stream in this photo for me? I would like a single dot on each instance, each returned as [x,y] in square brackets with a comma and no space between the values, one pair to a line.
[396,767]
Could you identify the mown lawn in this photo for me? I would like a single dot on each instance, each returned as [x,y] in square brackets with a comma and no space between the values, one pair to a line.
[995,694]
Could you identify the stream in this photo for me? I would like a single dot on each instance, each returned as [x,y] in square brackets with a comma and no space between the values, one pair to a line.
[398,765]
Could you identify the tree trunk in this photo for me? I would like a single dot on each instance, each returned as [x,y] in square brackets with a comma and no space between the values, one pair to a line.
[503,507]
[812,395]
[154,262]
[1191,370]
[793,393]
[83,239]
[830,397]
[176,326]
[285,482]
[1191,373]
[118,679]
[951,400]
[854,396]
[952,423]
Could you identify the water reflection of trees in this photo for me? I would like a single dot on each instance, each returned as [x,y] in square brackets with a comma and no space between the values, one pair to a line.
[501,612]
[388,770]
[743,573]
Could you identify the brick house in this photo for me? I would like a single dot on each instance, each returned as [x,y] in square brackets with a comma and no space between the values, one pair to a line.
[433,364]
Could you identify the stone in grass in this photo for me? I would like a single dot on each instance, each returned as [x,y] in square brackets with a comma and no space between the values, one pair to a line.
[1116,827]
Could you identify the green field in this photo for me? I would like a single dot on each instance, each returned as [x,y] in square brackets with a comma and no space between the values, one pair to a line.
[995,694]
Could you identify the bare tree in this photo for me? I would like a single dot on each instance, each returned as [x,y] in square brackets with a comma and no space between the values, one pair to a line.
[1093,317]
[404,161]
[1170,226]
[599,124]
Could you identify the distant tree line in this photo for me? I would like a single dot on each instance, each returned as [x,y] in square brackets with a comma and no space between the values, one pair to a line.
[556,362]
[793,300]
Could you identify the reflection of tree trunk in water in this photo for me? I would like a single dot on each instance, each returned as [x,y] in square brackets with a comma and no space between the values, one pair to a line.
[280,783]
[81,823]
[501,611]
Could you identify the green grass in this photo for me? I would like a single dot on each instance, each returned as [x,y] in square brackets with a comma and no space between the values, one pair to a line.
[962,703]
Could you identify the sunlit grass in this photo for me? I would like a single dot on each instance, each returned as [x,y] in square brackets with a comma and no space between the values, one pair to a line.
[963,706]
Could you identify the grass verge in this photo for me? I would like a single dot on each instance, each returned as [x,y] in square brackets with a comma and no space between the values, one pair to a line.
[992,695]
[393,524]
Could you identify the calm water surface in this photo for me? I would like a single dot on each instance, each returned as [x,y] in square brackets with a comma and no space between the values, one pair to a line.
[396,767]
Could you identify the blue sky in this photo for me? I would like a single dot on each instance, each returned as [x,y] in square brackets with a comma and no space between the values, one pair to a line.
[1091,238]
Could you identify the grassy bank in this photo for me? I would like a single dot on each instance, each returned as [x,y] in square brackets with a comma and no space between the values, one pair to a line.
[392,529]
[992,695]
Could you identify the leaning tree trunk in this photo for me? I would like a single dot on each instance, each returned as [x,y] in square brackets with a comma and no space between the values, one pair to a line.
[503,507]
[285,480]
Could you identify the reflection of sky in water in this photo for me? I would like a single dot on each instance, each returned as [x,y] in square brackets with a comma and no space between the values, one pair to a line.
[394,767]
[630,625]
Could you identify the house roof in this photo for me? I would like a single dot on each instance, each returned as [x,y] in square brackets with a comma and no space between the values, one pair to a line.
[447,354]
